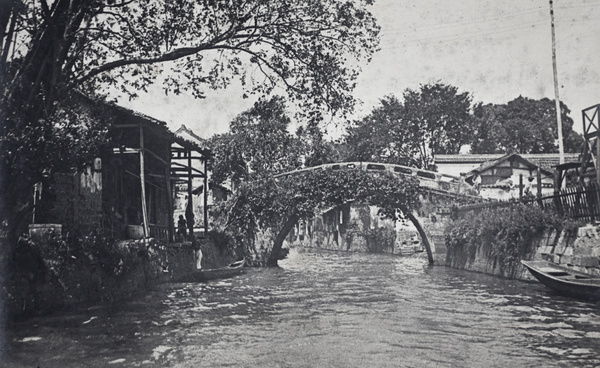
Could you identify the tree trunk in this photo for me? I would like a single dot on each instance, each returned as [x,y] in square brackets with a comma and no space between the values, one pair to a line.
[278,243]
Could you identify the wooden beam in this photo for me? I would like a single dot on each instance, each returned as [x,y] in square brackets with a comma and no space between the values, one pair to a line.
[143,183]
[170,204]
[185,176]
[122,126]
[139,177]
[118,151]
[190,218]
[156,156]
[186,170]
[205,199]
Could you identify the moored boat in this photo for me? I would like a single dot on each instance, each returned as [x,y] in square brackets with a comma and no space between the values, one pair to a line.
[564,280]
[218,273]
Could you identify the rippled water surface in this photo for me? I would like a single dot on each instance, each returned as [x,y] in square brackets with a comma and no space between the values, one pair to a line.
[323,309]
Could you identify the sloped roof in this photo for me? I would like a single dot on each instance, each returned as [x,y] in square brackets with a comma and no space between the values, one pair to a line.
[511,156]
[544,160]
[158,125]
[185,130]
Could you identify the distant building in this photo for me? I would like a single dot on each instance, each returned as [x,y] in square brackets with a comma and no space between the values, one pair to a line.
[216,193]
[464,163]
[507,176]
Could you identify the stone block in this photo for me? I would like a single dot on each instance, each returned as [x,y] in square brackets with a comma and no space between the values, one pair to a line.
[581,248]
[594,271]
[566,259]
[556,258]
[583,261]
[559,249]
[568,251]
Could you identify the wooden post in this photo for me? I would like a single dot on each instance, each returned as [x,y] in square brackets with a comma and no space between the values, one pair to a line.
[561,150]
[190,205]
[143,183]
[539,185]
[205,196]
[520,187]
[597,165]
[460,181]
[170,200]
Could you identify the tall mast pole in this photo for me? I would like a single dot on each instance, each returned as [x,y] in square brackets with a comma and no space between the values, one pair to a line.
[561,149]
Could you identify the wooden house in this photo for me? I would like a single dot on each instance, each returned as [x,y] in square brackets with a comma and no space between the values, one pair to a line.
[511,176]
[128,191]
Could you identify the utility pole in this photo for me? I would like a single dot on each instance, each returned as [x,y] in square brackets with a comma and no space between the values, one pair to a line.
[561,149]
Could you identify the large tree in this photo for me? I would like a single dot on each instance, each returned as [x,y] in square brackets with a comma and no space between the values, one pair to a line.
[382,136]
[439,118]
[258,144]
[310,48]
[433,119]
[523,125]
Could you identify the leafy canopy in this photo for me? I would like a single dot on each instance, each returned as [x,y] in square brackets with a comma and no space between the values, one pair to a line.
[523,125]
[309,47]
[434,119]
[258,144]
[312,49]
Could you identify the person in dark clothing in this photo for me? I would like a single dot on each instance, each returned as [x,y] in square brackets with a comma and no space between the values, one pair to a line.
[181,227]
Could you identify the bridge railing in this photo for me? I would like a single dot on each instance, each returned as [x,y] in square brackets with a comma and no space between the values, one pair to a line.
[428,179]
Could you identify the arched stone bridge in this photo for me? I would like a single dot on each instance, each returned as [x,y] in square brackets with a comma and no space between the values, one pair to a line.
[439,193]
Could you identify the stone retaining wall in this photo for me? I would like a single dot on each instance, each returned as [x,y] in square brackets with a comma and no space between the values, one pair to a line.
[578,250]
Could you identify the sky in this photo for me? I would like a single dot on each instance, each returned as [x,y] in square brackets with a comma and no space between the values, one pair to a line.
[496,50]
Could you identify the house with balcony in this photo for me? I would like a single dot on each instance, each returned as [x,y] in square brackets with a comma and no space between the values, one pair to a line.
[128,190]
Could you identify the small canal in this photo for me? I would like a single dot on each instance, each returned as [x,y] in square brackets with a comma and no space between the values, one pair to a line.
[322,309]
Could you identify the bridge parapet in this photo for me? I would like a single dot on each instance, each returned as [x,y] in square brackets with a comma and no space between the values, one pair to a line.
[427,179]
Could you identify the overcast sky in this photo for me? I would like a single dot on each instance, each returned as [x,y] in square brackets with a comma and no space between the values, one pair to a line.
[497,50]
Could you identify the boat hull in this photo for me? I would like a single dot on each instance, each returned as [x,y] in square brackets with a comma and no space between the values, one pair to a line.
[231,270]
[565,281]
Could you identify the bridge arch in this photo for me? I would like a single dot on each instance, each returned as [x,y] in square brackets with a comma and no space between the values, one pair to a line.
[439,194]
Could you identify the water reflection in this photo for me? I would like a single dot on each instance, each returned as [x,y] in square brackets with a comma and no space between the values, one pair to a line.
[323,309]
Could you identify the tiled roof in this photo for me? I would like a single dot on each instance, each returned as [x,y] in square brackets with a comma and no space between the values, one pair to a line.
[183,129]
[544,160]
[467,158]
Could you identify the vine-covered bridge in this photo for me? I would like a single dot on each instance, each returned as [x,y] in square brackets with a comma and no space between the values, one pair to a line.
[438,194]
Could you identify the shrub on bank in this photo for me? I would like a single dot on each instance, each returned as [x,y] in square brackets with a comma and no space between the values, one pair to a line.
[503,236]
[63,269]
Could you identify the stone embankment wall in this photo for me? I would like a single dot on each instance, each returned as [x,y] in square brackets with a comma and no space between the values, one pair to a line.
[578,250]
[45,276]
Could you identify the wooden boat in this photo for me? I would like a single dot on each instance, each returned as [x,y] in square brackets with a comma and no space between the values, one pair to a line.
[218,273]
[564,280]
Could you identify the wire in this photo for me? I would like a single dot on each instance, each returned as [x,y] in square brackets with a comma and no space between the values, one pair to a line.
[487,20]
[459,36]
[394,43]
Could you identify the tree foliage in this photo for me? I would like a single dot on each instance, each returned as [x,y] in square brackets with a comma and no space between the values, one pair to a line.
[310,48]
[434,119]
[258,144]
[523,125]
[505,235]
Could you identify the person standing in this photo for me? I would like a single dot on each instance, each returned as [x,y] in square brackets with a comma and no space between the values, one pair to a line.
[181,228]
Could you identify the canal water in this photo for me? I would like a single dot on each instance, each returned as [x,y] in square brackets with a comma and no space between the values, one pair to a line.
[323,309]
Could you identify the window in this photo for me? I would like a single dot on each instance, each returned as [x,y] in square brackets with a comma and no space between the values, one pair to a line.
[504,172]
